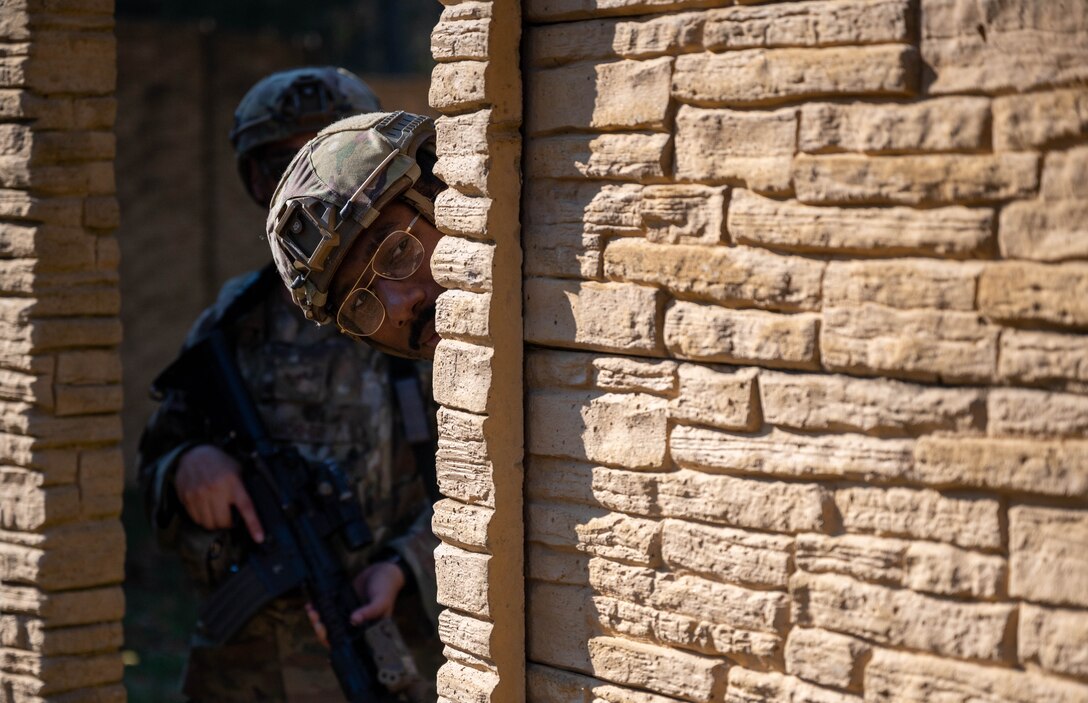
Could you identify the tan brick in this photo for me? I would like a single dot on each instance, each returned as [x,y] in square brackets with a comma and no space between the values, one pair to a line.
[640,157]
[661,670]
[559,622]
[463,215]
[1019,412]
[628,375]
[76,556]
[462,32]
[596,208]
[462,373]
[875,559]
[1055,639]
[950,571]
[942,179]
[26,504]
[551,566]
[760,504]
[87,400]
[55,247]
[464,581]
[618,617]
[596,531]
[464,316]
[563,223]
[459,86]
[1047,560]
[809,24]
[949,231]
[826,657]
[1038,120]
[88,366]
[947,124]
[65,608]
[779,453]
[600,96]
[456,682]
[921,514]
[748,558]
[710,333]
[1044,467]
[29,676]
[753,149]
[718,396]
[732,275]
[464,161]
[101,482]
[899,677]
[604,316]
[563,480]
[1027,292]
[547,685]
[463,264]
[1044,230]
[559,10]
[1065,174]
[461,525]
[902,618]
[922,344]
[873,406]
[466,633]
[767,76]
[463,465]
[682,214]
[1010,47]
[626,430]
[771,687]
[902,283]
[102,212]
[608,39]
[1038,357]
[546,368]
[21,632]
[54,53]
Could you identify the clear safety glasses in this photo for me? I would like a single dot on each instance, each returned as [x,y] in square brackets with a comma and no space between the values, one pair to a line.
[398,257]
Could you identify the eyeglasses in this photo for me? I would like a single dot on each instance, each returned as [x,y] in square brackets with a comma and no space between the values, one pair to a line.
[398,257]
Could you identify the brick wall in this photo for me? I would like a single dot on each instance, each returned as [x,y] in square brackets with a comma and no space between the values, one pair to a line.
[61,544]
[805,294]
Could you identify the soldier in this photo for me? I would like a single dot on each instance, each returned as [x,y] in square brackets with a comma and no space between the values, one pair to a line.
[319,392]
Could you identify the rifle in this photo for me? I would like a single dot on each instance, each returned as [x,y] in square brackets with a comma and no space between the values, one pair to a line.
[301,506]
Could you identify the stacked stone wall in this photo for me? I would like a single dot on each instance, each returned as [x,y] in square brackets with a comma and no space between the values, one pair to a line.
[476,85]
[806,287]
[61,543]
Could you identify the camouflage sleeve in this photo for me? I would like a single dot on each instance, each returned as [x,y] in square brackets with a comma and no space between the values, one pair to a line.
[170,432]
[173,429]
[416,547]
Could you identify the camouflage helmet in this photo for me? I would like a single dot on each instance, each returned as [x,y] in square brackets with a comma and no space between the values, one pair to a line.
[334,188]
[299,101]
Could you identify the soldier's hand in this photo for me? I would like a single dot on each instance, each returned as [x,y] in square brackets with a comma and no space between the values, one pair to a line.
[209,484]
[377,586]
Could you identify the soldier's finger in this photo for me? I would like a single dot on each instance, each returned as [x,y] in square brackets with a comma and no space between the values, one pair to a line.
[372,611]
[319,628]
[245,508]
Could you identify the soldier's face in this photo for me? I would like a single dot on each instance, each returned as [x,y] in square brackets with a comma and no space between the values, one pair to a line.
[267,164]
[408,329]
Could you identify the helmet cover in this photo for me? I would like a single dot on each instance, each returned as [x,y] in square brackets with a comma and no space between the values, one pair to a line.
[299,101]
[334,188]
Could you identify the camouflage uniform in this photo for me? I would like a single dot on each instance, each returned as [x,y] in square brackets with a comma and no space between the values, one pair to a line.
[330,397]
